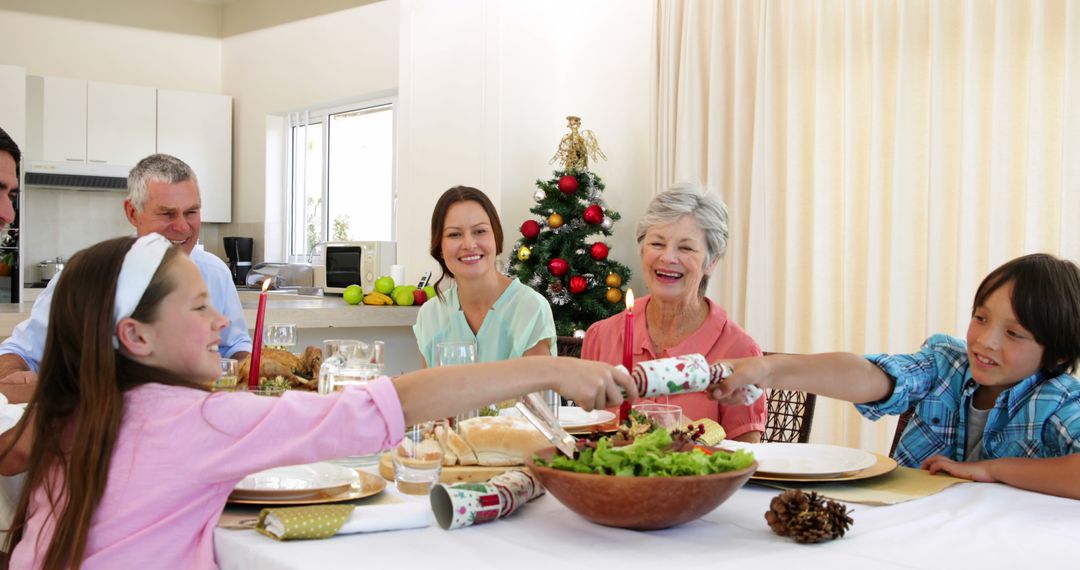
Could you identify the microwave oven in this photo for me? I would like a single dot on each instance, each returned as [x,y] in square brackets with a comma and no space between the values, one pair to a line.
[354,263]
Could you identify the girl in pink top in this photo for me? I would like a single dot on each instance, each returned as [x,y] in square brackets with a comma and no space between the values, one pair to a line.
[683,234]
[132,459]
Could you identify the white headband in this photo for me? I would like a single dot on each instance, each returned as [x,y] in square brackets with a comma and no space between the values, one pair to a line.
[140,264]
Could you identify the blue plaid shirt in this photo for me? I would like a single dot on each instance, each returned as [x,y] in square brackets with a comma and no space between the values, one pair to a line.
[1038,417]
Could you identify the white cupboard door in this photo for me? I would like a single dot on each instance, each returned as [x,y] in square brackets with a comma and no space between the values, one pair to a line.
[197,128]
[121,125]
[63,119]
[13,111]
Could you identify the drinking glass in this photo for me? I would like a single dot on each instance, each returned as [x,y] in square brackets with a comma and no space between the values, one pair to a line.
[418,459]
[281,336]
[227,381]
[454,353]
[667,416]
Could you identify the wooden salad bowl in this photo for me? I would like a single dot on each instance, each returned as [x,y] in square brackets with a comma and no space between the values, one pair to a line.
[639,503]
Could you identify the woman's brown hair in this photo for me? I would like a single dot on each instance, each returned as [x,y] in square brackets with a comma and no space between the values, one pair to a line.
[75,413]
[438,223]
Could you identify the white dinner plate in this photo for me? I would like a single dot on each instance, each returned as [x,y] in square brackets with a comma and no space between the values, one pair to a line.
[573,417]
[809,459]
[295,482]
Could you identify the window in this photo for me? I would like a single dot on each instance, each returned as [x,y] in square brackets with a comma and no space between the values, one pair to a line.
[341,180]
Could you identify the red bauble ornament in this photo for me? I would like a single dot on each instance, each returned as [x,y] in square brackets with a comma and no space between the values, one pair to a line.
[568,184]
[530,229]
[558,267]
[599,251]
[593,215]
[578,284]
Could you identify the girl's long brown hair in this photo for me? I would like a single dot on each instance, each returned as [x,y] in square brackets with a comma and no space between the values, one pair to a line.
[75,413]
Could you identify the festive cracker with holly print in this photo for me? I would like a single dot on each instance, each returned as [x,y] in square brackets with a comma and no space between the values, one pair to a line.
[684,374]
[465,504]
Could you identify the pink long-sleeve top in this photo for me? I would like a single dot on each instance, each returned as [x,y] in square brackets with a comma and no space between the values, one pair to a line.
[717,338]
[181,451]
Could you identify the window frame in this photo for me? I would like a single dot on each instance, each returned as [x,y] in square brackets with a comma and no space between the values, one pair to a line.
[322,115]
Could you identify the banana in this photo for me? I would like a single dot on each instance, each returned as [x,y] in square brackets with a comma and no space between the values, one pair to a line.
[376,298]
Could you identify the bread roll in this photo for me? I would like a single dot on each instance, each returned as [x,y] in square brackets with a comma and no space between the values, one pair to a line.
[501,440]
[449,456]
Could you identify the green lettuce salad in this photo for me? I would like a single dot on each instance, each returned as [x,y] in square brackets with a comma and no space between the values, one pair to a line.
[649,456]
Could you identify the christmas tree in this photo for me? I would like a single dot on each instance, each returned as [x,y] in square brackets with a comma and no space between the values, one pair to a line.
[558,254]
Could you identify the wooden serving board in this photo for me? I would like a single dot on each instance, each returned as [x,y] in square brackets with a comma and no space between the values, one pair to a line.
[452,473]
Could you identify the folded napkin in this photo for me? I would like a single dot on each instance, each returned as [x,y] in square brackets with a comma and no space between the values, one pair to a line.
[900,485]
[324,521]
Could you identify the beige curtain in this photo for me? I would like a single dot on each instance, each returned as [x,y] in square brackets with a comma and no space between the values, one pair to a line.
[878,158]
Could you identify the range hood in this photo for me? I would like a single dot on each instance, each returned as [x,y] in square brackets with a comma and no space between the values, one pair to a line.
[76,176]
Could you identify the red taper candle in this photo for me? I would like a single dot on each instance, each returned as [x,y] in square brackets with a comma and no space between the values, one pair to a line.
[628,349]
[256,351]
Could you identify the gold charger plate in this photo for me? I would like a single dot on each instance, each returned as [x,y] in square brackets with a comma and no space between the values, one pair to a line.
[883,465]
[367,485]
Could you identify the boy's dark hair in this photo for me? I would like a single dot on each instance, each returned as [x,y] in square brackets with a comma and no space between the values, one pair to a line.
[8,145]
[1046,300]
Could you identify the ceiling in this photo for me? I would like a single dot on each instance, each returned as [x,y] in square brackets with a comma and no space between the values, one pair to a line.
[210,18]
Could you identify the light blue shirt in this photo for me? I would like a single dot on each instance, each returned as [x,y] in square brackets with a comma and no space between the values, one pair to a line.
[520,318]
[27,341]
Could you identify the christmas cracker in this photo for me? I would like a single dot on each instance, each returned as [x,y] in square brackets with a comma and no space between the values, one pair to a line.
[685,374]
[466,504]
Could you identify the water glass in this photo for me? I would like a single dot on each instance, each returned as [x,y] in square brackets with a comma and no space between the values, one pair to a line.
[418,459]
[453,353]
[281,336]
[227,381]
[667,416]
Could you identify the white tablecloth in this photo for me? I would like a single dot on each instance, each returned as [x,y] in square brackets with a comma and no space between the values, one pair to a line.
[966,526]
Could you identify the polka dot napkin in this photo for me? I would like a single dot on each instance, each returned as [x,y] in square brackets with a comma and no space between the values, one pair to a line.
[324,521]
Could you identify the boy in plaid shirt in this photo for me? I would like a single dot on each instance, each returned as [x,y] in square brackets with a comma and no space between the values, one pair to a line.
[1001,406]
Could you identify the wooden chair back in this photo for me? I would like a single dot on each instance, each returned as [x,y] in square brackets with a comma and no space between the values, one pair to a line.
[790,414]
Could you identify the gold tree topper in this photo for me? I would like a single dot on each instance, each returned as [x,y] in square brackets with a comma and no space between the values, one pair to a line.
[575,149]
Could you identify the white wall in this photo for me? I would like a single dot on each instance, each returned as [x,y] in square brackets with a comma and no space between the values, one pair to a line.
[485,87]
[312,62]
[45,45]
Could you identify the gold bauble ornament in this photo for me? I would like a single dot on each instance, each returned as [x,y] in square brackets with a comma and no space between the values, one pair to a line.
[554,221]
[613,295]
[613,280]
[524,253]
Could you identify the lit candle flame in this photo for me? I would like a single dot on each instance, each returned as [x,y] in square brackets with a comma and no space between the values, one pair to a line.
[266,284]
[629,299]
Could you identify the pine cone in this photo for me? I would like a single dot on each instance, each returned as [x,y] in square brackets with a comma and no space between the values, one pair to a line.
[807,518]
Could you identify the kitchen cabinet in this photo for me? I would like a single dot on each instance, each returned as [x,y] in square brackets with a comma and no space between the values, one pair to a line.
[120,123]
[92,122]
[197,128]
[63,119]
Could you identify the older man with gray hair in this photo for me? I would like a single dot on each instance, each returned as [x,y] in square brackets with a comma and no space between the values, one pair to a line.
[163,197]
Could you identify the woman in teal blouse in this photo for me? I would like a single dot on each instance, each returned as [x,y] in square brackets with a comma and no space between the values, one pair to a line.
[502,316]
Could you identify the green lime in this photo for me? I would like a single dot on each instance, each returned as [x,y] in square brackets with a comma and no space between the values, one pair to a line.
[384,284]
[403,296]
[353,294]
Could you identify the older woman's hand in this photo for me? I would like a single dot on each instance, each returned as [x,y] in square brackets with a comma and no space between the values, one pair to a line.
[591,384]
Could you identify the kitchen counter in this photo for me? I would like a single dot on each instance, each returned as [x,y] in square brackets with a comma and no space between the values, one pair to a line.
[325,312]
[314,318]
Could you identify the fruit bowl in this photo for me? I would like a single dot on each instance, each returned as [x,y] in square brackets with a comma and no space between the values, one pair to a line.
[638,503]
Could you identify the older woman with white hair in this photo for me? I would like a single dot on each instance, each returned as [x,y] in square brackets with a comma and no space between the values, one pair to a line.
[683,234]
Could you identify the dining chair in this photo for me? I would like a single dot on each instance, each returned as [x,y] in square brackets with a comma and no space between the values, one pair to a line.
[901,423]
[790,414]
[569,346]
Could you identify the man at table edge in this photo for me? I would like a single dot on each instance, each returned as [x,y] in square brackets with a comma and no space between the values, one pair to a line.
[163,197]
